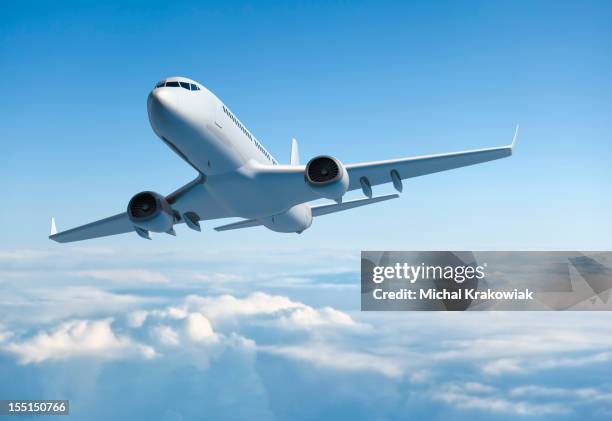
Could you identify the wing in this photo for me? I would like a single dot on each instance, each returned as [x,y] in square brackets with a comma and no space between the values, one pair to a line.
[192,202]
[287,181]
[117,224]
[316,211]
[393,170]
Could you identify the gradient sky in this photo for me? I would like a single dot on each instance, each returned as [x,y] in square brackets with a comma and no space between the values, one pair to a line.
[362,81]
[357,80]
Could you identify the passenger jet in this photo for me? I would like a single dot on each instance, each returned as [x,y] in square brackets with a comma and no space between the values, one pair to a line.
[239,178]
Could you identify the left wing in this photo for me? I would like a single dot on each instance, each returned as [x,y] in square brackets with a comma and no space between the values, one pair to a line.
[117,224]
[380,172]
[287,181]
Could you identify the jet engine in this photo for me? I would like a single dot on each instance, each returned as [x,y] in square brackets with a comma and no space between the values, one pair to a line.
[327,177]
[151,212]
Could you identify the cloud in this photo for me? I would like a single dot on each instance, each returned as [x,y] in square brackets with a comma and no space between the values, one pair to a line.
[199,328]
[291,314]
[310,318]
[228,306]
[165,335]
[324,356]
[77,338]
[38,305]
[126,275]
[585,393]
[229,345]
[23,255]
[468,397]
[137,318]
[4,334]
[218,277]
[504,365]
[515,365]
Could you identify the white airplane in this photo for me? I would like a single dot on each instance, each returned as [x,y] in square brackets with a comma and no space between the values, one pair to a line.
[238,177]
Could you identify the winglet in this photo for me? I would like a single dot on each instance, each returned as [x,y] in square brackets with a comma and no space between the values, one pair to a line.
[53,227]
[514,137]
[295,153]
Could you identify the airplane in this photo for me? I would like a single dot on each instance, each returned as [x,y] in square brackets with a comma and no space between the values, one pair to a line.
[238,177]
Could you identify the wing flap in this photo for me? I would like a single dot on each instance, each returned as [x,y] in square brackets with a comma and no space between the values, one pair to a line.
[240,224]
[338,207]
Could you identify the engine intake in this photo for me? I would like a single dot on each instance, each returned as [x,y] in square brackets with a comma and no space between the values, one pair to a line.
[150,211]
[322,169]
[327,177]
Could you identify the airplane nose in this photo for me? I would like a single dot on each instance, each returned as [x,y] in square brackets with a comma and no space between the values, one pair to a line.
[160,100]
[162,106]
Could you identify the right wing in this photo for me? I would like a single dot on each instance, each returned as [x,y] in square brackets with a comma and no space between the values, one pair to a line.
[192,197]
[117,224]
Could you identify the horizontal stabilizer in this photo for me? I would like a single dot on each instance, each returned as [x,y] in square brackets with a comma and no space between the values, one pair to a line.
[327,209]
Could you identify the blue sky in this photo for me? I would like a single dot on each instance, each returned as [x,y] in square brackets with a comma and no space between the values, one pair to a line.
[360,81]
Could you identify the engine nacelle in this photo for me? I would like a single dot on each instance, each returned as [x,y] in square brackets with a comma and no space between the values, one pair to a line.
[150,211]
[327,177]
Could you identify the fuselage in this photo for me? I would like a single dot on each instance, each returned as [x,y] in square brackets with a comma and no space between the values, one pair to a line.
[205,133]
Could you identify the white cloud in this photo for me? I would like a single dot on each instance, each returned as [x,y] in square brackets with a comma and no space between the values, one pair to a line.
[308,317]
[4,334]
[199,329]
[137,318]
[23,255]
[515,365]
[228,306]
[342,360]
[165,335]
[77,338]
[503,365]
[218,277]
[126,275]
[477,388]
[172,312]
[587,393]
[463,396]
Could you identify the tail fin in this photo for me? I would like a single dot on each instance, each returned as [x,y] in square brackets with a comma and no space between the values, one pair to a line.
[295,153]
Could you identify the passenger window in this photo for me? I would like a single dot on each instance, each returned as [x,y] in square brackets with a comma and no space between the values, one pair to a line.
[172,84]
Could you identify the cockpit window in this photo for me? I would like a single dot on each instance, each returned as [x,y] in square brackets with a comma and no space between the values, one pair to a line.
[176,84]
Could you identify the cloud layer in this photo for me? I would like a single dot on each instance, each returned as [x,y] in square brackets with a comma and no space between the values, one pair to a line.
[97,335]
